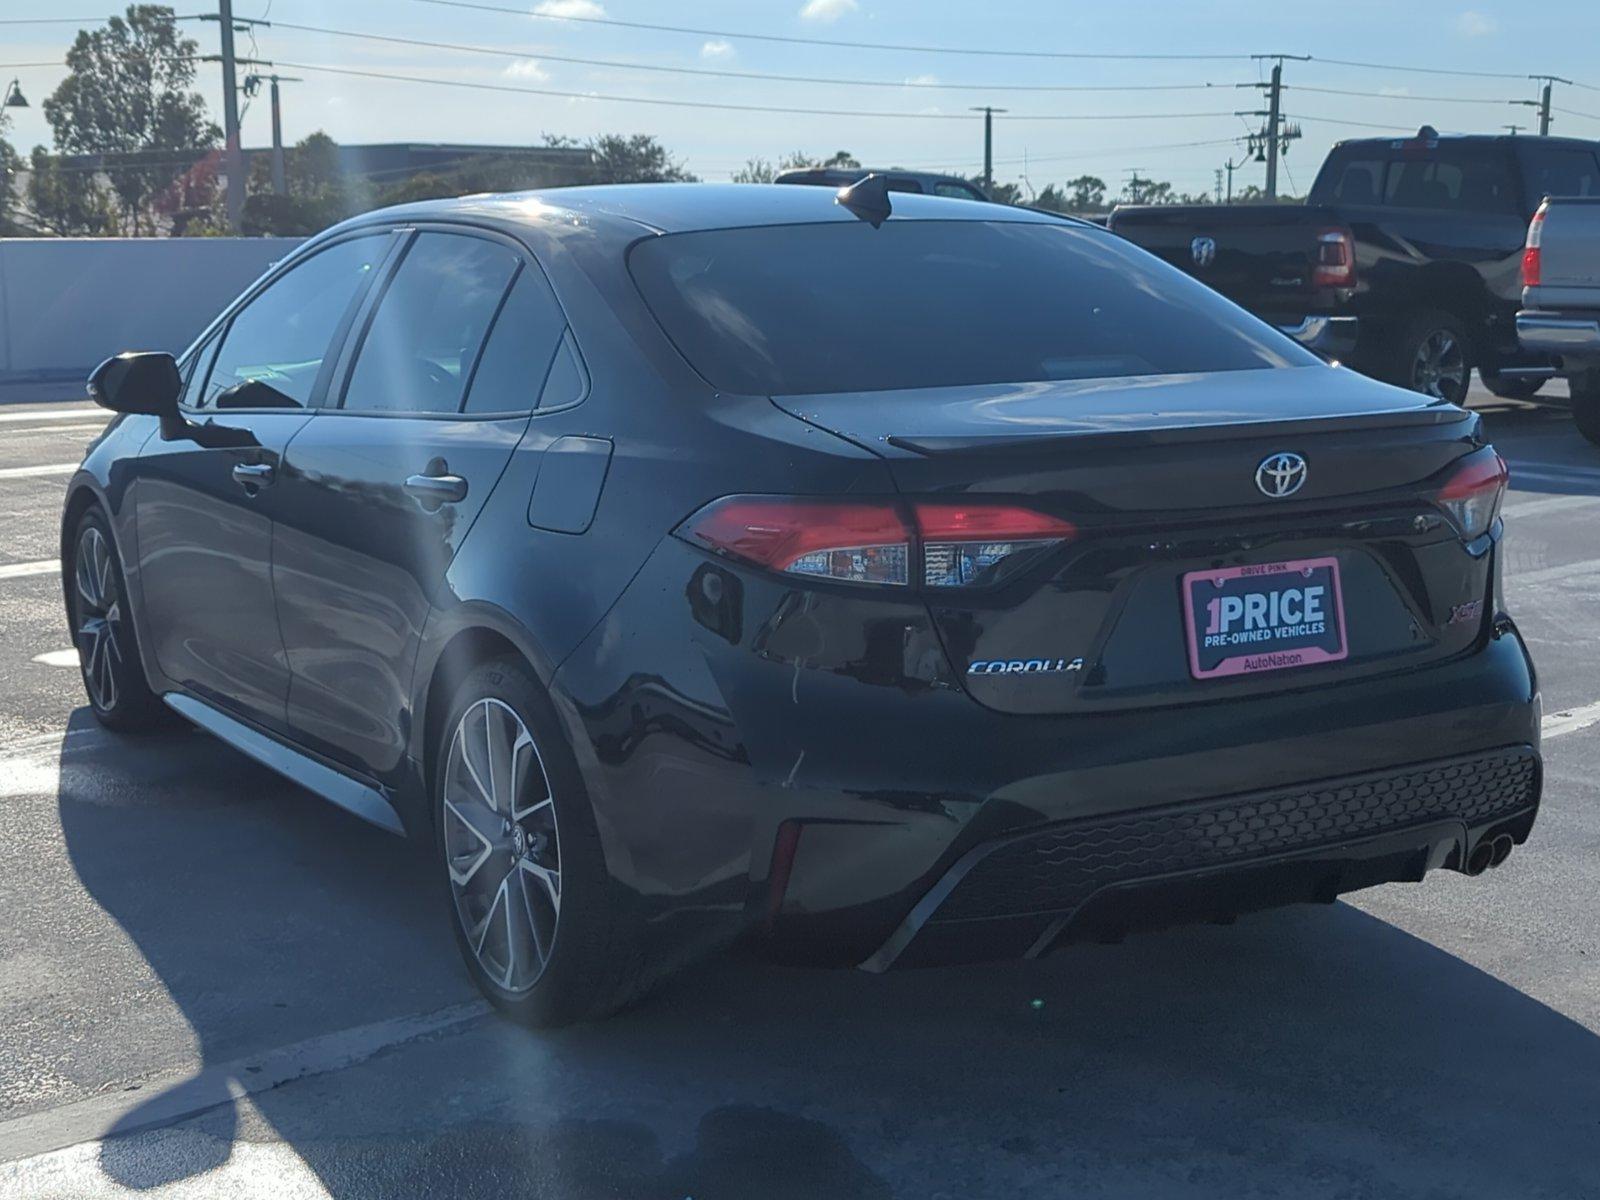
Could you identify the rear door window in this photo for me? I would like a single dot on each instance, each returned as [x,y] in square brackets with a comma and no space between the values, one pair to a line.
[424,338]
[763,310]
[1359,182]
[1559,171]
[522,343]
[1466,180]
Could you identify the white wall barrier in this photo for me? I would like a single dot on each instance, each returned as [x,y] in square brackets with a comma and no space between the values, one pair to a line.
[67,303]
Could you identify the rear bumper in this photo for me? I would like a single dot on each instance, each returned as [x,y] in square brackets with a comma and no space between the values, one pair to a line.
[1331,337]
[1019,896]
[1571,336]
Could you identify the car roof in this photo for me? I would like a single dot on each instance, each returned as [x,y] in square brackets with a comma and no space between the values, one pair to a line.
[1473,138]
[685,207]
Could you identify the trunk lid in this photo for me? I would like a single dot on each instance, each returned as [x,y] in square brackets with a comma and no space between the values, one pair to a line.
[1159,477]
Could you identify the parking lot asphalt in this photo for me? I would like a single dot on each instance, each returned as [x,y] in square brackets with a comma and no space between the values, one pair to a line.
[213,984]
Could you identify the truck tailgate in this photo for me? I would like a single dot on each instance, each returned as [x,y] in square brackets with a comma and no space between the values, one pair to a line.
[1259,256]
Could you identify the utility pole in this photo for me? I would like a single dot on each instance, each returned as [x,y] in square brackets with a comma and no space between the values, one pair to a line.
[988,143]
[252,84]
[1543,102]
[1274,136]
[1230,166]
[1218,175]
[233,157]
[1515,129]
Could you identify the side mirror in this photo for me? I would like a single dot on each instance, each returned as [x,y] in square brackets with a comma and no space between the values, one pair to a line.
[137,381]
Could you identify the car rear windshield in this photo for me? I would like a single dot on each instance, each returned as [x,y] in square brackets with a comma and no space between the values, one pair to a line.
[842,307]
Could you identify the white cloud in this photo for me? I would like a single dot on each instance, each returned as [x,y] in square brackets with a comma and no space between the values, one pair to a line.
[717,48]
[569,8]
[1394,91]
[1476,24]
[527,68]
[826,10]
[921,80]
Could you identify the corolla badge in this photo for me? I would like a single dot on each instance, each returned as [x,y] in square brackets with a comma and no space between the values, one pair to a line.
[1282,474]
[1204,251]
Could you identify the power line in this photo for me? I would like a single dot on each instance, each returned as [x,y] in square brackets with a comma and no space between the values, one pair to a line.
[725,107]
[1572,112]
[829,42]
[758,76]
[1346,62]
[1298,87]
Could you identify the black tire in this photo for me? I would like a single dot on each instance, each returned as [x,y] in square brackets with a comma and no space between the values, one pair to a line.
[1586,404]
[1511,387]
[585,925]
[101,623]
[1437,337]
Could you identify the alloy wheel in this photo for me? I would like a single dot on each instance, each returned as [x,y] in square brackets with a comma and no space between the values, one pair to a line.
[502,846]
[99,607]
[1440,367]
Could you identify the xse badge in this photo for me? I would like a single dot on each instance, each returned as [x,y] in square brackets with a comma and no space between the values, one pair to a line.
[1264,617]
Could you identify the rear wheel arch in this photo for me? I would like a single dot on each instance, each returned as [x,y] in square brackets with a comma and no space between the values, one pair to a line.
[465,651]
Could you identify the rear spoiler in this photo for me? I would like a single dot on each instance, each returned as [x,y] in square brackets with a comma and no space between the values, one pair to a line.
[1099,439]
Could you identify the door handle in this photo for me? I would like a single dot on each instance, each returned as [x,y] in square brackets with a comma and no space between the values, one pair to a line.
[253,475]
[437,489]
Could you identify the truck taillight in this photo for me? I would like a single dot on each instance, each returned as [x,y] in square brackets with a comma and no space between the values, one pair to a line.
[1531,264]
[1336,259]
[878,542]
[1471,496]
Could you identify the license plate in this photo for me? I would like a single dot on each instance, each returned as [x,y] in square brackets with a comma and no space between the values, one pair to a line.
[1264,617]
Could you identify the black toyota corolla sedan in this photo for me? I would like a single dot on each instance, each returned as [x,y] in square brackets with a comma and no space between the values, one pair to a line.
[886,578]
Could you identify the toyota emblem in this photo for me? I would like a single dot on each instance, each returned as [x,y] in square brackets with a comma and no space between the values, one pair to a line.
[1280,475]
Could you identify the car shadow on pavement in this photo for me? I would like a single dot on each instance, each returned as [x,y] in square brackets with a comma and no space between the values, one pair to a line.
[1306,1052]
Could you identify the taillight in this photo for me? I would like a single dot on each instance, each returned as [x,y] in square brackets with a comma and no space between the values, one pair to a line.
[968,545]
[939,543]
[1336,259]
[1471,496]
[848,541]
[1531,264]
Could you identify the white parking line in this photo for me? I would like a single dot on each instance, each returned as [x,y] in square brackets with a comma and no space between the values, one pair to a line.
[60,414]
[1570,720]
[1520,579]
[46,566]
[1520,509]
[182,1096]
[58,658]
[39,471]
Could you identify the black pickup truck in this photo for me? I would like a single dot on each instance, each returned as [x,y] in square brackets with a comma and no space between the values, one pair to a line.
[1404,261]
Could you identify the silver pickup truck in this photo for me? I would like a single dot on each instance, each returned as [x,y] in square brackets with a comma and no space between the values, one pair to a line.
[1561,298]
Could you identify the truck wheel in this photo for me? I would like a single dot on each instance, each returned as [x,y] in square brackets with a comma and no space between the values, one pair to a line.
[1586,404]
[1432,354]
[1511,387]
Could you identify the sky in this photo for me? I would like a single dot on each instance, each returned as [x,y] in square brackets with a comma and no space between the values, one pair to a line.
[1182,132]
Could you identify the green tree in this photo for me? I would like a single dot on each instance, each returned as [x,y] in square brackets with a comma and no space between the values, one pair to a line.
[1053,198]
[639,158]
[756,170]
[10,165]
[317,193]
[1147,191]
[998,191]
[1087,193]
[127,94]
[68,201]
[759,170]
